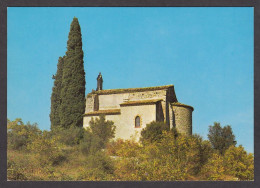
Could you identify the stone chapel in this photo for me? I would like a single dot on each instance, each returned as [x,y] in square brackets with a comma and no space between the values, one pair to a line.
[132,108]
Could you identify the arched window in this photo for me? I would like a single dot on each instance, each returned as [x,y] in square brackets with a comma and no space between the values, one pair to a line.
[137,121]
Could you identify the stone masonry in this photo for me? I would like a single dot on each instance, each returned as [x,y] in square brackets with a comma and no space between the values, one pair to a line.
[131,109]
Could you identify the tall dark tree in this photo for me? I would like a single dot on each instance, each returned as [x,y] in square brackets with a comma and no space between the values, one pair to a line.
[221,138]
[73,80]
[56,95]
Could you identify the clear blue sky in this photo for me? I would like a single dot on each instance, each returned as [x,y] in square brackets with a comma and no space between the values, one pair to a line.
[207,53]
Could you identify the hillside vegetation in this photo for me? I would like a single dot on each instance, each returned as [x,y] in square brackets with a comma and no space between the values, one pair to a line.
[92,154]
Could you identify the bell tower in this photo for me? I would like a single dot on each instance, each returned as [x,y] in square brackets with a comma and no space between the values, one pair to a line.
[99,82]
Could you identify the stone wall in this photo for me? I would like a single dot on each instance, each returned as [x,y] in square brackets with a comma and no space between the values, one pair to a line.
[89,104]
[182,119]
[125,122]
[115,118]
[126,127]
[172,116]
[157,94]
[165,110]
[112,101]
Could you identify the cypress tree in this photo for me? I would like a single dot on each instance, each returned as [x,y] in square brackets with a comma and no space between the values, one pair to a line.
[73,80]
[55,96]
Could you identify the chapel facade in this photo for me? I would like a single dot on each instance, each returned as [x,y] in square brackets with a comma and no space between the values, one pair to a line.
[131,109]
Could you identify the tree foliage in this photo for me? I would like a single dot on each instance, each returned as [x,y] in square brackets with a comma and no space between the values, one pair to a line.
[123,148]
[238,163]
[214,169]
[235,164]
[102,129]
[153,131]
[19,135]
[79,154]
[90,144]
[73,80]
[47,150]
[97,136]
[99,167]
[56,95]
[221,138]
[69,136]
[171,158]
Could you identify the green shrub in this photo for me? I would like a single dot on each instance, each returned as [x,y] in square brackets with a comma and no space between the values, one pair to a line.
[19,135]
[153,131]
[113,146]
[98,167]
[97,136]
[123,148]
[214,169]
[104,130]
[47,151]
[90,143]
[170,159]
[15,171]
[238,163]
[68,136]
[83,154]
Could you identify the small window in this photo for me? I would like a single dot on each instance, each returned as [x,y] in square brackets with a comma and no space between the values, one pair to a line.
[137,122]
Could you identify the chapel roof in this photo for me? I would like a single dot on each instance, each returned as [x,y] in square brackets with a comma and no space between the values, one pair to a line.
[106,112]
[140,102]
[183,105]
[128,90]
